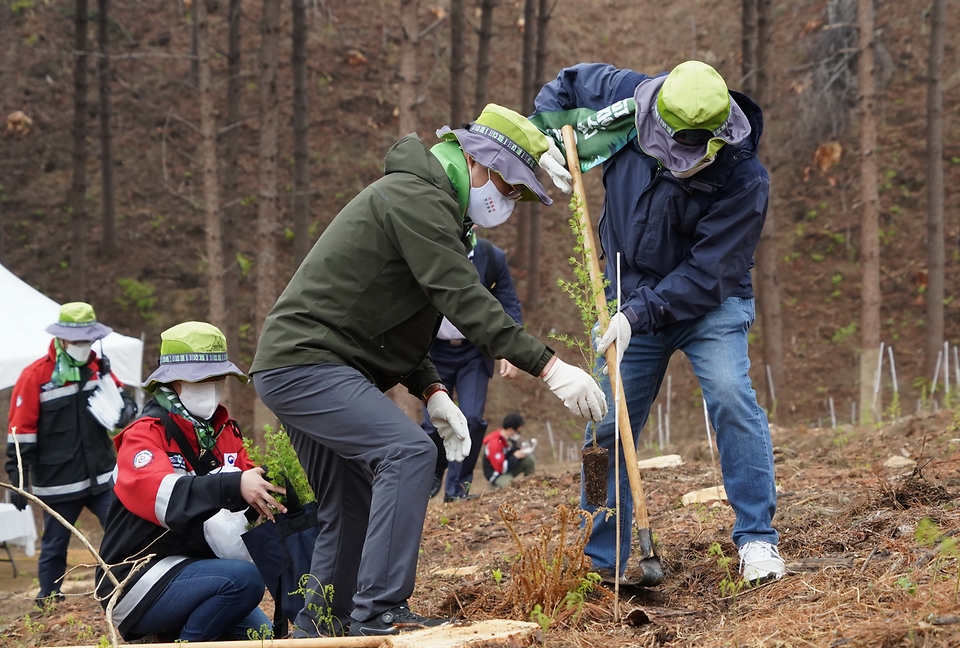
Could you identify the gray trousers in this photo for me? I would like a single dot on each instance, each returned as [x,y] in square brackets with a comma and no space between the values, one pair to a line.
[371,468]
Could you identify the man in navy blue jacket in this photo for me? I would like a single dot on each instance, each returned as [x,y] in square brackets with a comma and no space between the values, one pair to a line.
[686,198]
[466,370]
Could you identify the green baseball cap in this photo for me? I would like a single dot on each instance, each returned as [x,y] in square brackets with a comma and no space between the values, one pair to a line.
[692,97]
[506,142]
[78,323]
[192,352]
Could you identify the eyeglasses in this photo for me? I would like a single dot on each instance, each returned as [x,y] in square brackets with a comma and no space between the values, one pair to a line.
[693,136]
[514,193]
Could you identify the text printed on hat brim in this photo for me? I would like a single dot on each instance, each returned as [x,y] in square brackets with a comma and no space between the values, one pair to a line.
[493,156]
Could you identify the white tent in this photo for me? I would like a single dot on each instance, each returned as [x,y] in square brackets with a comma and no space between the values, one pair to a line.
[23,336]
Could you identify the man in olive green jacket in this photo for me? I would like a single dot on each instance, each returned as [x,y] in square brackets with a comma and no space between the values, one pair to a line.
[358,317]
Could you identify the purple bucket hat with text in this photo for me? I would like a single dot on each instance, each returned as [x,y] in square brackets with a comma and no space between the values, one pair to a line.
[78,323]
[192,352]
[506,142]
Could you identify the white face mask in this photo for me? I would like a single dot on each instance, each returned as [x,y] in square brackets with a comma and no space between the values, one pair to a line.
[201,399]
[79,351]
[487,206]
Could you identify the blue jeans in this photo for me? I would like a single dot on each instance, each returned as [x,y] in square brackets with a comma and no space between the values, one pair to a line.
[716,345]
[209,600]
[56,537]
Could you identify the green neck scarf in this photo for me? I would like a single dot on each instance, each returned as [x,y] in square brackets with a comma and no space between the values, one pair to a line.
[168,399]
[65,369]
[455,165]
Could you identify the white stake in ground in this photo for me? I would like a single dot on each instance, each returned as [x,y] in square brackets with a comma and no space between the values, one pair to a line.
[616,446]
[706,420]
[833,414]
[669,390]
[773,394]
[936,373]
[876,383]
[946,369]
[660,430]
[893,370]
[553,450]
[956,367]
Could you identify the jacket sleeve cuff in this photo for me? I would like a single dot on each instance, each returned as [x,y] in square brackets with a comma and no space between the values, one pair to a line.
[230,495]
[633,318]
[544,359]
[421,378]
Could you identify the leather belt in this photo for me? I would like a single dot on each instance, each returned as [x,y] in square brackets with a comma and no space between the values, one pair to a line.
[451,342]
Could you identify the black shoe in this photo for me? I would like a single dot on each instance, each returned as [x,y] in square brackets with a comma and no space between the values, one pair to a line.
[49,599]
[394,621]
[607,578]
[451,498]
[435,488]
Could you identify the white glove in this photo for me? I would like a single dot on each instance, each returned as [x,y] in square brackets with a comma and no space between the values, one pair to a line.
[578,391]
[105,404]
[555,165]
[618,329]
[451,424]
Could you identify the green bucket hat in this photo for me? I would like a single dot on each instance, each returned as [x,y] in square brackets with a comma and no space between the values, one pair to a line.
[192,352]
[78,323]
[693,97]
[506,142]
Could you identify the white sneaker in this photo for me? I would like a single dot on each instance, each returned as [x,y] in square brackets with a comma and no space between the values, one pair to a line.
[760,561]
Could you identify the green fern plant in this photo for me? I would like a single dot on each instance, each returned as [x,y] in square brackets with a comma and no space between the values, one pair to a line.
[730,585]
[322,614]
[893,411]
[928,533]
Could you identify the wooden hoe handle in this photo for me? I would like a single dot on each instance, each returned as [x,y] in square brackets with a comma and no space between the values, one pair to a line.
[596,279]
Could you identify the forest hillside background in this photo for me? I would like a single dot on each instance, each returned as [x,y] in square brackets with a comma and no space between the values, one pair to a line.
[158,275]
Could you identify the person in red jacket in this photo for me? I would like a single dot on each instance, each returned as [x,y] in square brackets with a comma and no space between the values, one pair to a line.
[178,465]
[503,456]
[66,456]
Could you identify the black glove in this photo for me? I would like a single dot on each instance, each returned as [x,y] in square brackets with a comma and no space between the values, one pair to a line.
[129,411]
[18,500]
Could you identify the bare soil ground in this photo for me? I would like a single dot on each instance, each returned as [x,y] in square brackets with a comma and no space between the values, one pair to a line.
[860,576]
[871,550]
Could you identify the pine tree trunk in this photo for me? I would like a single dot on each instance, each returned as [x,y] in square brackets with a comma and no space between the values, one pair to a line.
[767,257]
[301,128]
[230,214]
[522,255]
[268,224]
[409,72]
[457,65]
[208,162]
[536,209]
[748,47]
[194,77]
[483,54]
[109,238]
[870,243]
[935,244]
[77,197]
